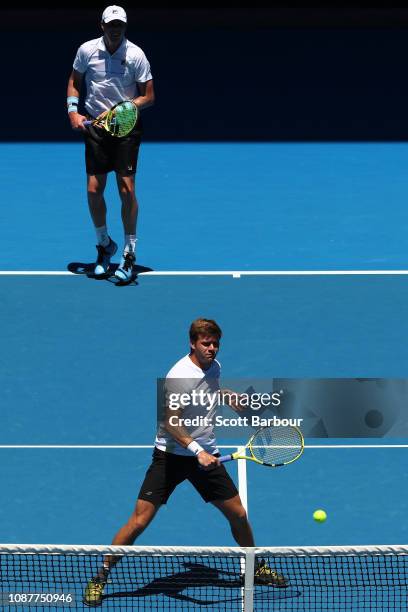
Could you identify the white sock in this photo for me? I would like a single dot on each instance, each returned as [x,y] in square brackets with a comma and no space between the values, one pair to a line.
[130,243]
[102,235]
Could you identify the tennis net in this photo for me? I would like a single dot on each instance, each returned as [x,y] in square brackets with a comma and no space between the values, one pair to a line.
[191,578]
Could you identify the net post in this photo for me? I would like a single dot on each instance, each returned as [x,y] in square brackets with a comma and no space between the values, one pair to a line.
[242,480]
[243,493]
[248,603]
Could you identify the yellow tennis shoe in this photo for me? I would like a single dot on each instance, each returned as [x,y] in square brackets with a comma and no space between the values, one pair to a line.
[266,576]
[94,592]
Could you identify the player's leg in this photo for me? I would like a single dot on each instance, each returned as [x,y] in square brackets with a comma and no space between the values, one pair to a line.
[217,487]
[96,184]
[130,206]
[106,247]
[129,211]
[126,156]
[163,475]
[140,518]
[98,161]
[235,513]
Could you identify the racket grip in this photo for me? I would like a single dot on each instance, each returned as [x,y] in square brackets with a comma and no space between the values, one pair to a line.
[87,122]
[225,458]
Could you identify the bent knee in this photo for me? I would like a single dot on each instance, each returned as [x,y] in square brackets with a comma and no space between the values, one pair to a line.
[137,522]
[240,516]
[142,515]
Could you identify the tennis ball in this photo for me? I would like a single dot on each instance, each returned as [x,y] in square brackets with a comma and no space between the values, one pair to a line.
[319,516]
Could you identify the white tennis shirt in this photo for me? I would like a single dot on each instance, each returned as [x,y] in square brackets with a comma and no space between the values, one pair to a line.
[186,377]
[110,78]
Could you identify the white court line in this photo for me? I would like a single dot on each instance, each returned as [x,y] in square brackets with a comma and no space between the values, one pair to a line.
[233,273]
[126,446]
[36,273]
[90,446]
[356,446]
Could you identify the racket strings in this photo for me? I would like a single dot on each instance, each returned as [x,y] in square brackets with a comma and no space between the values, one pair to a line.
[277,445]
[122,119]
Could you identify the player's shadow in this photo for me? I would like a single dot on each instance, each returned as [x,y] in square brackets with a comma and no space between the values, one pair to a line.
[200,576]
[87,269]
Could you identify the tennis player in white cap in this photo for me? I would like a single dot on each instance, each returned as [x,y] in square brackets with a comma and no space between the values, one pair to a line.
[113,69]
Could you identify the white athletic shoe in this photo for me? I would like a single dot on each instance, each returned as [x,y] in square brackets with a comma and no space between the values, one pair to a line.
[125,269]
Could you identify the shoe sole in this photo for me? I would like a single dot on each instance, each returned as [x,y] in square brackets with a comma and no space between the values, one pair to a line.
[122,277]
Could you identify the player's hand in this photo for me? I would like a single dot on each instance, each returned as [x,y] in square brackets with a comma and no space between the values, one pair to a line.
[207,461]
[77,121]
[233,400]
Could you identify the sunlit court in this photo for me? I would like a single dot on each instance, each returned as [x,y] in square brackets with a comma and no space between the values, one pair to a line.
[217,206]
[86,434]
[203,296]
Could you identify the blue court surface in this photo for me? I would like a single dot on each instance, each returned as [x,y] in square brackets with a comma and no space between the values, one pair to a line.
[80,358]
[204,206]
[79,364]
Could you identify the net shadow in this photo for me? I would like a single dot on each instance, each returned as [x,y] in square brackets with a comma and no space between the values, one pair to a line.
[200,576]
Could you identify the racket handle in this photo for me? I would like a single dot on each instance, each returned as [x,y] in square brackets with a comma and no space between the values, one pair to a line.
[87,122]
[225,458]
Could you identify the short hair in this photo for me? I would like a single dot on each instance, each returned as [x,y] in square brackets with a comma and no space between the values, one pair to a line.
[205,327]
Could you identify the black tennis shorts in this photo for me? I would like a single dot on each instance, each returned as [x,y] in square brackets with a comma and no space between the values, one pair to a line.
[168,470]
[104,153]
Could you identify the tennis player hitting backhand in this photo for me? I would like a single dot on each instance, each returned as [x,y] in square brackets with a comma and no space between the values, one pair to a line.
[191,453]
[113,69]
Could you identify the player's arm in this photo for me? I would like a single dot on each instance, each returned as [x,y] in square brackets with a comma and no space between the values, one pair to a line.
[146,95]
[232,399]
[74,91]
[173,424]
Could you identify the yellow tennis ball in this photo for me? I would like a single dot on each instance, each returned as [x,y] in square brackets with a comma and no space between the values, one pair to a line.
[319,516]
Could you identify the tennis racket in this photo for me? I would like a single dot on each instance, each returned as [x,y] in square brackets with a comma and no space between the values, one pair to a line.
[272,446]
[119,120]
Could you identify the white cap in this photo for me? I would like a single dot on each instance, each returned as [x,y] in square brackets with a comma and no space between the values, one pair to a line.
[114,12]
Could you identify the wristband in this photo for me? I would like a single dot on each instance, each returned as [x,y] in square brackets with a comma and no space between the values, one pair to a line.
[72,109]
[195,448]
[72,100]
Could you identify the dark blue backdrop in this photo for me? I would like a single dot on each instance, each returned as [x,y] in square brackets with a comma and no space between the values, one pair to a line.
[225,74]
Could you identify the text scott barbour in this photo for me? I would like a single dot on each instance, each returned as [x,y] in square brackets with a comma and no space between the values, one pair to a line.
[252,421]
